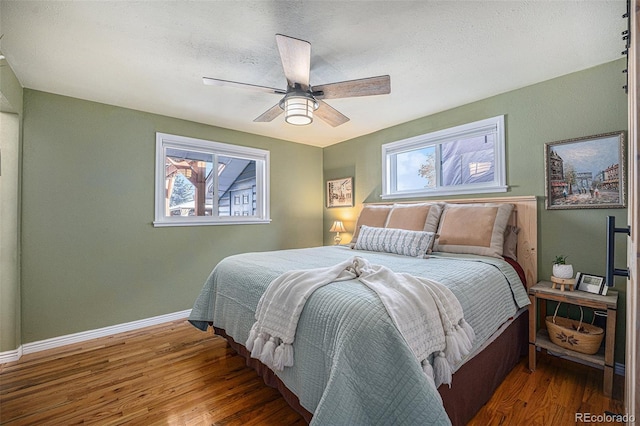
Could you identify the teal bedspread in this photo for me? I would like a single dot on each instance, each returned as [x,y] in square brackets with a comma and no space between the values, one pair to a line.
[352,365]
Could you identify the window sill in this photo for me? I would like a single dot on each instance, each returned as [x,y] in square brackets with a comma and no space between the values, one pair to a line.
[200,222]
[418,194]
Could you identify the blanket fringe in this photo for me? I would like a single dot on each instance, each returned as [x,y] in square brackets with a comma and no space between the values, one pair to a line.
[283,356]
[253,333]
[428,371]
[459,342]
[258,345]
[463,339]
[272,351]
[427,368]
[441,370]
[278,357]
[452,349]
[266,356]
[468,330]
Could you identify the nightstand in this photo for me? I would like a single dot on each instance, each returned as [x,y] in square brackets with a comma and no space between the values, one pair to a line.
[539,337]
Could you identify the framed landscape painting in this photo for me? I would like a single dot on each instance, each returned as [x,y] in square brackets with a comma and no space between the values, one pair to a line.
[586,172]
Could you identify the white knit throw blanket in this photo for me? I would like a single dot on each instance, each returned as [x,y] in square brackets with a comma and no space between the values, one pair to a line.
[427,314]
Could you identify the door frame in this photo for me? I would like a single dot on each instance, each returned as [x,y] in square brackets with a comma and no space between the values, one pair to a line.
[632,351]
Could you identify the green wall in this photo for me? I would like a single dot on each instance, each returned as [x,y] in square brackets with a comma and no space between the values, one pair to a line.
[580,104]
[91,256]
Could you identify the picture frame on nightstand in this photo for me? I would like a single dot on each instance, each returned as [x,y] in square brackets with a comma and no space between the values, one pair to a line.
[591,283]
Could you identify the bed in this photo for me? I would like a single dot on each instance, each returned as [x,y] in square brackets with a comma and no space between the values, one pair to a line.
[352,366]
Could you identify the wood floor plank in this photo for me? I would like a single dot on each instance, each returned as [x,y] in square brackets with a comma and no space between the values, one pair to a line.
[173,374]
[552,395]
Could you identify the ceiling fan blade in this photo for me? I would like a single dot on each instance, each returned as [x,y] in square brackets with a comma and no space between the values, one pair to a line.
[330,115]
[226,83]
[296,60]
[269,114]
[380,85]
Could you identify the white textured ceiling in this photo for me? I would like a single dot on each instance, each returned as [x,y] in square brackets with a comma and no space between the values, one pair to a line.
[152,55]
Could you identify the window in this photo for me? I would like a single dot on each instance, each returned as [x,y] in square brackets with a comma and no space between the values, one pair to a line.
[467,159]
[200,182]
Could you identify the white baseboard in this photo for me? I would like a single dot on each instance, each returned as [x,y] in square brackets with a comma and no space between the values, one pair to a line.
[56,342]
[9,356]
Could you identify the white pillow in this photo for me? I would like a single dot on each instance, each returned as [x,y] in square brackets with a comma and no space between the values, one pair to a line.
[398,241]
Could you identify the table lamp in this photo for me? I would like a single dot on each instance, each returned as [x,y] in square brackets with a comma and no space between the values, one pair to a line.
[337,227]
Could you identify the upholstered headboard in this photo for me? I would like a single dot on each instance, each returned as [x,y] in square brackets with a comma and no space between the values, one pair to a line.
[524,216]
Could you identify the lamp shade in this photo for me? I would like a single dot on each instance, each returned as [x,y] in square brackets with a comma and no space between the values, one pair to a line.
[337,227]
[298,110]
[298,106]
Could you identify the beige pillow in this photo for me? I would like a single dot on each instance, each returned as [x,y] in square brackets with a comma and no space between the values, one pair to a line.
[415,217]
[371,215]
[510,248]
[473,229]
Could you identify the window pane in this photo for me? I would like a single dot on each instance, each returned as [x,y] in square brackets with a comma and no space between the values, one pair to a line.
[186,176]
[236,186]
[465,159]
[200,182]
[468,161]
[416,169]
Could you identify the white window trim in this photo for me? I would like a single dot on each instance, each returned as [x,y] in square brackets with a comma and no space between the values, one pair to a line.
[164,140]
[441,136]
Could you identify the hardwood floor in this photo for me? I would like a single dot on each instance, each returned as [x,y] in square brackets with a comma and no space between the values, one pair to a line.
[552,395]
[173,374]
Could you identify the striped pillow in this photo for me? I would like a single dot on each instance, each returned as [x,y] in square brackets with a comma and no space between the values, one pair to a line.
[398,241]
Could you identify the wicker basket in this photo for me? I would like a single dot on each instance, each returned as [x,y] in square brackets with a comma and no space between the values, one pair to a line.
[574,335]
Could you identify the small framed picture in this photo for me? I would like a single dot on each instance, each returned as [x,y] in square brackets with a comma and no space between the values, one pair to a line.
[591,283]
[340,192]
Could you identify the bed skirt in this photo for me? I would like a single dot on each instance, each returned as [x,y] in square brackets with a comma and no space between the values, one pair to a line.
[476,381]
[471,387]
[267,375]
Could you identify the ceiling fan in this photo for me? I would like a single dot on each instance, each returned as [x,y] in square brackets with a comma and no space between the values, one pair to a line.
[301,100]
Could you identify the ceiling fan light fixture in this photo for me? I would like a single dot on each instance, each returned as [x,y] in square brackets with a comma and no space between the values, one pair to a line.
[298,108]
